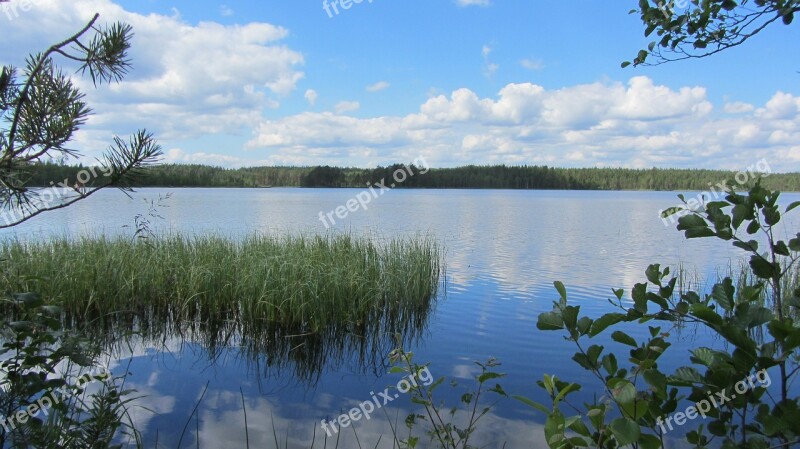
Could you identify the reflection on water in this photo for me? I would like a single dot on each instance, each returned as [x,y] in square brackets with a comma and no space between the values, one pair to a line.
[503,249]
[271,349]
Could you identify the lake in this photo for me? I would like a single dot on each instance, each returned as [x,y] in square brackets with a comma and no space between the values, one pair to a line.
[503,250]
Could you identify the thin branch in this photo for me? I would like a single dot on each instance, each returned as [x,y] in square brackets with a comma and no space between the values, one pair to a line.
[23,96]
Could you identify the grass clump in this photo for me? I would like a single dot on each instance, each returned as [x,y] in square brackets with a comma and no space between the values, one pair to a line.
[291,284]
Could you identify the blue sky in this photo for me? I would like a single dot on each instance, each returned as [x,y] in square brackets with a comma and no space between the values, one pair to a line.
[455,81]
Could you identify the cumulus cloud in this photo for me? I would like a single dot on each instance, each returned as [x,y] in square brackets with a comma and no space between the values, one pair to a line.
[377,87]
[782,106]
[187,81]
[636,124]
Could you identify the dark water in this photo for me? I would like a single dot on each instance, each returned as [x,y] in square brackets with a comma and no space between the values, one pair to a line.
[504,249]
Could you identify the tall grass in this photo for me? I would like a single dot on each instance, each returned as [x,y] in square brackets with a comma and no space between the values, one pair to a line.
[287,294]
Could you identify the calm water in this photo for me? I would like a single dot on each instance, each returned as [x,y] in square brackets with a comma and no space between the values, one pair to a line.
[504,249]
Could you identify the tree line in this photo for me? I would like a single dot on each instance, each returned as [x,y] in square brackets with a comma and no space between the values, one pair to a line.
[471,176]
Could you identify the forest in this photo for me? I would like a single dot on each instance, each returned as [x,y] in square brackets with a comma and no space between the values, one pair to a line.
[467,177]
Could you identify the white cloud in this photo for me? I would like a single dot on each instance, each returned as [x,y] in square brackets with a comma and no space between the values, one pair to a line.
[225,11]
[346,106]
[379,86]
[187,80]
[464,3]
[532,64]
[489,68]
[738,107]
[180,156]
[637,124]
[311,96]
[782,106]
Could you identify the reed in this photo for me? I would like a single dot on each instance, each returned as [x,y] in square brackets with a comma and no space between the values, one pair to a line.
[303,285]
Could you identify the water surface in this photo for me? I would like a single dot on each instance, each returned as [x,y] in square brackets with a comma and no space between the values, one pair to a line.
[504,249]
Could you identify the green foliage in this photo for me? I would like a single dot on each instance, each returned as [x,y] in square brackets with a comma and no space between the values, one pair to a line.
[324,177]
[472,176]
[441,422]
[686,29]
[40,403]
[303,283]
[639,401]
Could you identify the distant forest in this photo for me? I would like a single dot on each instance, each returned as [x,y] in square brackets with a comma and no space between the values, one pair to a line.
[472,176]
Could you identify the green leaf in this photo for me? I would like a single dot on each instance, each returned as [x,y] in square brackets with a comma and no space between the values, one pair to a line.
[570,316]
[604,322]
[792,206]
[686,375]
[771,215]
[639,296]
[584,324]
[550,321]
[794,244]
[653,274]
[691,221]
[562,292]
[751,246]
[647,441]
[488,376]
[532,404]
[763,268]
[706,314]
[666,213]
[625,431]
[656,379]
[584,361]
[571,388]
[29,299]
[624,338]
[578,426]
[703,356]
[740,212]
[635,409]
[554,429]
[609,362]
[699,233]
[739,338]
[723,294]
[781,249]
